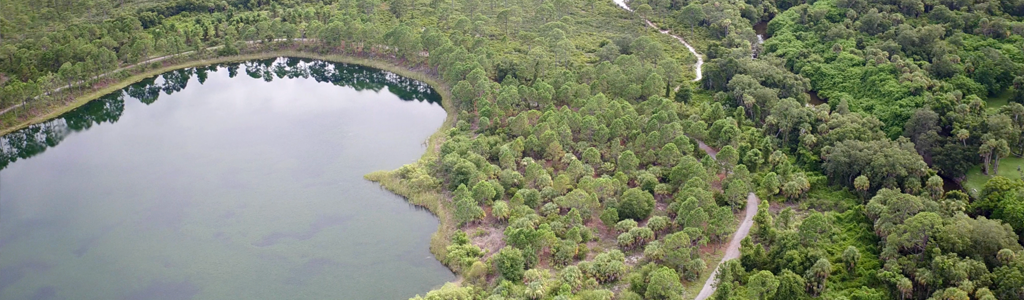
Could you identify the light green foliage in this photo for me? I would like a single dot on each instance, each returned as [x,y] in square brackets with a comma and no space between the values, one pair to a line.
[889,208]
[696,218]
[510,263]
[522,233]
[720,224]
[796,187]
[818,275]
[449,291]
[862,184]
[728,157]
[606,267]
[626,240]
[654,251]
[886,162]
[579,200]
[815,228]
[791,286]
[592,157]
[851,256]
[477,273]
[681,254]
[762,285]
[770,183]
[572,276]
[639,235]
[564,252]
[600,294]
[627,162]
[610,217]
[664,285]
[528,197]
[647,181]
[483,192]
[658,223]
[501,210]
[625,225]
[687,169]
[461,254]
[736,193]
[466,209]
[1001,198]
[763,222]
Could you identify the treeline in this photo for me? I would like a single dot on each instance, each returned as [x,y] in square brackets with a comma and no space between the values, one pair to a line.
[75,55]
[35,139]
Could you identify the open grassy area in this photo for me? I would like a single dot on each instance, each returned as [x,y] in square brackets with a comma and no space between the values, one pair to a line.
[1008,167]
[999,100]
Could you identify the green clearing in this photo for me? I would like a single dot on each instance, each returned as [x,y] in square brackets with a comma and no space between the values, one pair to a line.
[1008,167]
[999,100]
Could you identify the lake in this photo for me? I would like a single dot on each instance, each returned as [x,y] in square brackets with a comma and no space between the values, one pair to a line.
[236,181]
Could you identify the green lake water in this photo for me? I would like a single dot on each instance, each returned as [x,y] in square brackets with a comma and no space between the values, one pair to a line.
[240,181]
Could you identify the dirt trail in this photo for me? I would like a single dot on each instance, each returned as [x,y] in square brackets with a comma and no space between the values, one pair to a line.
[732,251]
[707,149]
[700,59]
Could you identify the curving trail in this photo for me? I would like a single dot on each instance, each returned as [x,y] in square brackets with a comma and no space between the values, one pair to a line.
[700,59]
[732,251]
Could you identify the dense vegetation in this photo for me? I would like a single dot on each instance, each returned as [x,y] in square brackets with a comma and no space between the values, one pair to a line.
[574,167]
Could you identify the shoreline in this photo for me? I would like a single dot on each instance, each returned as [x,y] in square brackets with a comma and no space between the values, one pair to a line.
[339,58]
[391,180]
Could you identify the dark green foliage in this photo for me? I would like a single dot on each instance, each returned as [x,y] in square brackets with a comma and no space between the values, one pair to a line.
[635,204]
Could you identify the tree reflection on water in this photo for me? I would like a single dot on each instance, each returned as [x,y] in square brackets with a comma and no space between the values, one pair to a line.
[35,139]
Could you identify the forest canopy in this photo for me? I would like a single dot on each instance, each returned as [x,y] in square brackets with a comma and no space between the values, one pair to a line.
[582,161]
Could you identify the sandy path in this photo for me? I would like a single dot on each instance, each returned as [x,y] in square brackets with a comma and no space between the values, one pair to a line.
[707,149]
[700,59]
[733,250]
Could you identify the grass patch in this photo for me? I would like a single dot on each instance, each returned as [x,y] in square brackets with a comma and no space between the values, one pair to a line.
[1007,168]
[999,100]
